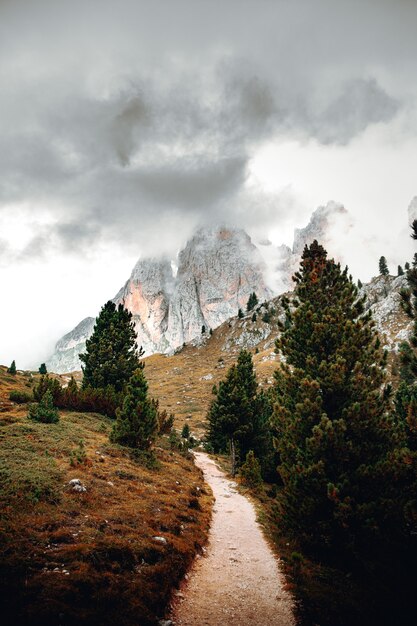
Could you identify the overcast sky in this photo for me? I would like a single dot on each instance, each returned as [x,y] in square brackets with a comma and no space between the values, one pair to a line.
[125,124]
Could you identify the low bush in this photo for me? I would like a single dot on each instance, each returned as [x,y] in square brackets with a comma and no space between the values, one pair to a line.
[21,397]
[44,411]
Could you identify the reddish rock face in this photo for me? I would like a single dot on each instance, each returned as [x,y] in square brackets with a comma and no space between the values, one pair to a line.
[217,271]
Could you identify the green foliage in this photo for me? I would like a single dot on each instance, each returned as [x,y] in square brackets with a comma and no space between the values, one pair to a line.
[46,383]
[253,318]
[266,317]
[252,301]
[334,437]
[250,471]
[12,368]
[383,267]
[21,397]
[238,416]
[400,271]
[407,266]
[44,411]
[240,314]
[185,433]
[79,455]
[42,369]
[360,284]
[136,422]
[165,421]
[111,355]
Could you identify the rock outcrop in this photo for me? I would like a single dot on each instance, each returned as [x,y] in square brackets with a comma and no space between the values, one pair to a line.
[217,271]
[322,226]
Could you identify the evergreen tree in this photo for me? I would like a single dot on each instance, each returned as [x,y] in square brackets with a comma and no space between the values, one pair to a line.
[332,431]
[236,422]
[400,271]
[137,421]
[360,285]
[42,369]
[12,368]
[111,355]
[240,314]
[44,411]
[203,329]
[252,301]
[254,317]
[407,266]
[251,471]
[185,433]
[383,267]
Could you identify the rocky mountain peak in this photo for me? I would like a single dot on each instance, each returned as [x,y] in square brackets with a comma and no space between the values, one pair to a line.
[217,270]
[322,221]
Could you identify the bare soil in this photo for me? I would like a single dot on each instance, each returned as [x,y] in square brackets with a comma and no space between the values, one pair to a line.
[238,581]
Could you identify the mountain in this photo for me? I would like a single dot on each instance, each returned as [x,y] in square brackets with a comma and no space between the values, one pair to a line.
[183,381]
[325,222]
[217,270]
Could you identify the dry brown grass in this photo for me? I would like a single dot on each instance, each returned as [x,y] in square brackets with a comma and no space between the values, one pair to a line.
[178,380]
[90,558]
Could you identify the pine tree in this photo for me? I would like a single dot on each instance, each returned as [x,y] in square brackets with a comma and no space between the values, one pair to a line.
[136,422]
[406,266]
[383,267]
[42,369]
[332,431]
[203,329]
[254,317]
[240,314]
[185,433]
[360,284]
[400,271]
[252,301]
[111,355]
[235,420]
[12,368]
[44,411]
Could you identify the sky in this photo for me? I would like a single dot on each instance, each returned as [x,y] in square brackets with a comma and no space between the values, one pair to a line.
[126,124]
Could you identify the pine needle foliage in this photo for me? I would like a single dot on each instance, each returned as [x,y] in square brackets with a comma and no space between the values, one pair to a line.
[111,355]
[332,431]
[137,421]
[238,418]
[44,411]
[383,267]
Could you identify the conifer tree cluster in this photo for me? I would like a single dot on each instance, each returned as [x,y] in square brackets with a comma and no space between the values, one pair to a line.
[333,433]
[252,301]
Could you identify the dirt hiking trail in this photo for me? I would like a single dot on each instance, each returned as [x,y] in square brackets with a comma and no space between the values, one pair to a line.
[237,582]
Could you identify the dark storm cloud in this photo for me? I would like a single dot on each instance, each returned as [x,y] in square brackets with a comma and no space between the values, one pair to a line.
[113,117]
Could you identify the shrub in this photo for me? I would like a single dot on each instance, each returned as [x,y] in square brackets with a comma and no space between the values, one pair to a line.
[20,397]
[12,368]
[251,471]
[185,433]
[44,411]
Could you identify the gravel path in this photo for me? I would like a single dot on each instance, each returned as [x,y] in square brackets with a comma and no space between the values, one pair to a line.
[237,582]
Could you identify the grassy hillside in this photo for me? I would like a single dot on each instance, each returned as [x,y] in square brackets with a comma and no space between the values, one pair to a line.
[183,382]
[69,557]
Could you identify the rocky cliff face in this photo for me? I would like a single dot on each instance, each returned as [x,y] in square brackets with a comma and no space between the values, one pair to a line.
[217,271]
[322,225]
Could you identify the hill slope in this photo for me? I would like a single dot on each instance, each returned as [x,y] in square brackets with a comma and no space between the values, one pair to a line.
[90,557]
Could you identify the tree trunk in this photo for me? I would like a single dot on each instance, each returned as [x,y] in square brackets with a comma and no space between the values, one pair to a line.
[233,456]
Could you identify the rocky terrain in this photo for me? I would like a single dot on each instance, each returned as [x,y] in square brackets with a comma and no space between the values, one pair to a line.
[217,271]
[183,381]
